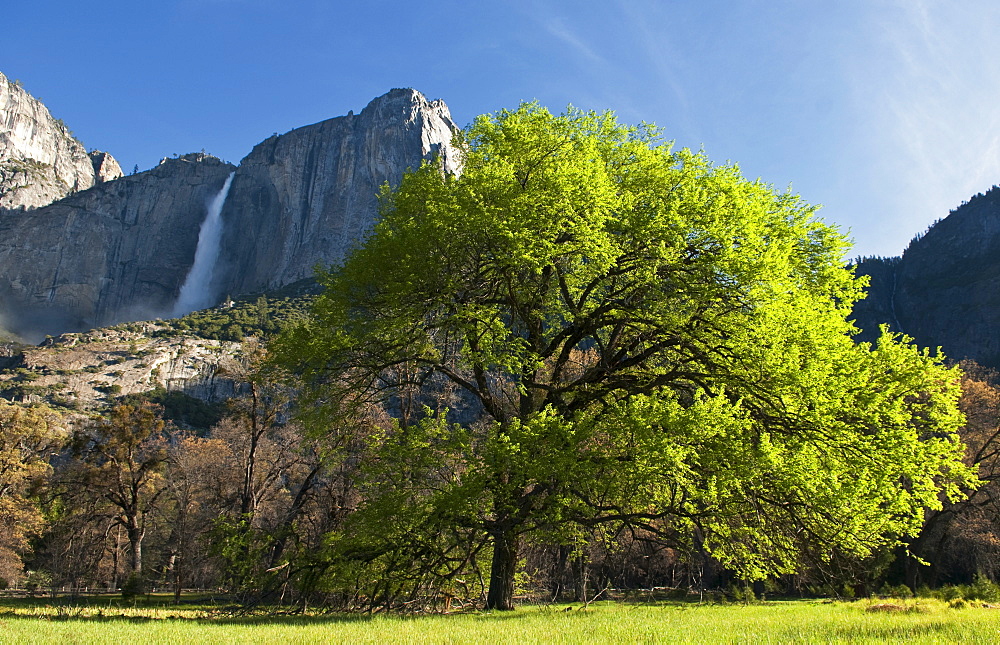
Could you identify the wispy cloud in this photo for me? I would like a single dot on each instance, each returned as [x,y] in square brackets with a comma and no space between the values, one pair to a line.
[932,93]
[635,65]
[557,28]
[657,50]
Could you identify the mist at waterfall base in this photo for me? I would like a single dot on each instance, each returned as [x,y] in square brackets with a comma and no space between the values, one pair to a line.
[196,293]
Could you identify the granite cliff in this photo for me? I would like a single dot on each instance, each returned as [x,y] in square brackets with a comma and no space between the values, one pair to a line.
[306,196]
[944,291]
[40,160]
[120,250]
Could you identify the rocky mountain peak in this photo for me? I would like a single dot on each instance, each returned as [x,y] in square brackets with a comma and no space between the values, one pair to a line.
[433,117]
[123,249]
[40,160]
[407,102]
[305,197]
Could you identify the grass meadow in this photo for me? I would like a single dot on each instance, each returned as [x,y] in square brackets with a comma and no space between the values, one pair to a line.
[799,621]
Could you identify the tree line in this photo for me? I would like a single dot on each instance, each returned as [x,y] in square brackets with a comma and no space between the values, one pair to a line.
[249,507]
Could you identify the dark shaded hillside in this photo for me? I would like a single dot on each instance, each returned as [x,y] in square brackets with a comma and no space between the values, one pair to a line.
[945,289]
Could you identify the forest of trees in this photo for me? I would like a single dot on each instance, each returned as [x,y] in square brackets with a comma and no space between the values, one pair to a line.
[249,507]
[590,362]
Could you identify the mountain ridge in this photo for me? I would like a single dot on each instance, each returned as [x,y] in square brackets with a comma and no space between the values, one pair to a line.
[40,159]
[119,248]
[944,289]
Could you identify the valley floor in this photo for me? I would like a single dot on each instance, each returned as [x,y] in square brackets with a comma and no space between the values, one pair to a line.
[800,621]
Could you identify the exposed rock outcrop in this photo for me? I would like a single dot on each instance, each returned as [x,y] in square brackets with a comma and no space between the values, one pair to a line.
[89,370]
[119,251]
[106,167]
[305,197]
[40,160]
[944,291]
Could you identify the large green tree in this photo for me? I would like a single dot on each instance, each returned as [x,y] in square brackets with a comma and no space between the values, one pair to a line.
[647,338]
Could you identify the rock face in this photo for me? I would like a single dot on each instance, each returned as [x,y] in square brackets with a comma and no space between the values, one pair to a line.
[119,251]
[40,161]
[945,289]
[89,370]
[106,167]
[306,196]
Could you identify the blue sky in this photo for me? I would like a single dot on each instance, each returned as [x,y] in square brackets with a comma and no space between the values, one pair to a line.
[886,112]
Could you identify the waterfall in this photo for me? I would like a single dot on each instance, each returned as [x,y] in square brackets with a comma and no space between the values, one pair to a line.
[196,292]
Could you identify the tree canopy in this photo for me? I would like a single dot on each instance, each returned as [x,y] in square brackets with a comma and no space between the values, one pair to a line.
[611,331]
[27,435]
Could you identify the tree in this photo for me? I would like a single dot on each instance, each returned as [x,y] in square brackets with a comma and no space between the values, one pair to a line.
[962,540]
[120,460]
[195,480]
[638,337]
[27,438]
[270,472]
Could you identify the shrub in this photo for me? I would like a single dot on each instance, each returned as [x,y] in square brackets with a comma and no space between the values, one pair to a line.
[36,581]
[982,588]
[895,591]
[741,593]
[134,586]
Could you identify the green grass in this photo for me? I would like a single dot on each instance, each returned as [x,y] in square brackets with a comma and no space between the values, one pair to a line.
[922,621]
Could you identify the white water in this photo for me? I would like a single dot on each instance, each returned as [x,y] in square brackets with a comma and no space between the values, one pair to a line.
[196,292]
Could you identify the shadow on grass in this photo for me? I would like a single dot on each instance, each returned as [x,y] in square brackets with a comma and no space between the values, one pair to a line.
[206,610]
[110,615]
[217,610]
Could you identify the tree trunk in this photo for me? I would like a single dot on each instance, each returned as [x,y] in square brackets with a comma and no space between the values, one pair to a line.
[116,556]
[135,550]
[248,499]
[562,557]
[175,565]
[580,577]
[501,593]
[301,497]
